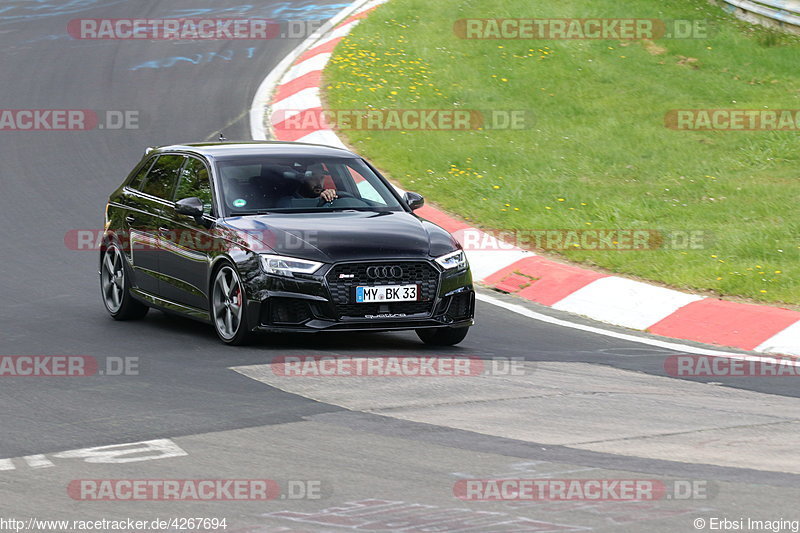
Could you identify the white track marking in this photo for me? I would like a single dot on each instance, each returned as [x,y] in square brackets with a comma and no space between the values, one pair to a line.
[786,341]
[261,100]
[126,453]
[520,310]
[341,31]
[326,137]
[484,263]
[625,302]
[130,452]
[317,62]
[296,103]
[38,461]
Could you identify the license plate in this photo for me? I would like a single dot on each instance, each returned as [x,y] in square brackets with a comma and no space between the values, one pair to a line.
[386,293]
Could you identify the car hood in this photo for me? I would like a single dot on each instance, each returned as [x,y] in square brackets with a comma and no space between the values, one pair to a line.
[345,236]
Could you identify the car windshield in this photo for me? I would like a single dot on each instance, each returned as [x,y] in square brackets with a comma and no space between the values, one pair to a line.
[291,184]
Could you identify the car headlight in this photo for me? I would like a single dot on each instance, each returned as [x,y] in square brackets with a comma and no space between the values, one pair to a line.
[457,260]
[287,266]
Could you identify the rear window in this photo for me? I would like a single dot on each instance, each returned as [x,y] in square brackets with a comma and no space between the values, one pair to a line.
[138,179]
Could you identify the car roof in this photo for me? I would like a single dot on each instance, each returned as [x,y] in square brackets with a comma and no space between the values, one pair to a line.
[232,150]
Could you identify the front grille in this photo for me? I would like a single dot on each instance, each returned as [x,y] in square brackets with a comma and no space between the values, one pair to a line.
[343,291]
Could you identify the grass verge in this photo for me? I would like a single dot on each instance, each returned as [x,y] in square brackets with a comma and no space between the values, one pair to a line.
[597,154]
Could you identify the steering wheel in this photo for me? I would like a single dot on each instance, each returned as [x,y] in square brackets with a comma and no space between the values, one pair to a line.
[341,194]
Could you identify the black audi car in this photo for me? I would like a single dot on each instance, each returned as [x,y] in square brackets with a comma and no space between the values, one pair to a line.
[270,236]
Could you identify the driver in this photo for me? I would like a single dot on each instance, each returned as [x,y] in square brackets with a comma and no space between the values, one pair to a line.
[311,186]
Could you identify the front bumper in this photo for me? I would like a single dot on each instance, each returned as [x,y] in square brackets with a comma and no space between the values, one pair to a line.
[320,302]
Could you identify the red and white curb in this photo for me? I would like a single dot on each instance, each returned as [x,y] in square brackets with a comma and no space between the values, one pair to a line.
[293,87]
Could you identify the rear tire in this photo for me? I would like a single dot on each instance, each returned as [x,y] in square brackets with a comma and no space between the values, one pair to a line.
[442,336]
[115,287]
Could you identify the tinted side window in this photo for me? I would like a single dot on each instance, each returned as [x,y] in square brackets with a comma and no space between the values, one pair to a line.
[163,176]
[138,179]
[195,182]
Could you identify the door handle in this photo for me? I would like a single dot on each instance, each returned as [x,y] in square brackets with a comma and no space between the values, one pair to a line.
[129,219]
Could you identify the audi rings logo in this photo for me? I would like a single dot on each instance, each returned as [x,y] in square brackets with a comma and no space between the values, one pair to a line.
[385,272]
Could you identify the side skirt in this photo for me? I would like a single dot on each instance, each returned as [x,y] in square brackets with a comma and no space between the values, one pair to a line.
[168,305]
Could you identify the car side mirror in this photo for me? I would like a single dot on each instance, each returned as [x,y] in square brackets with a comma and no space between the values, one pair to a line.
[192,207]
[414,200]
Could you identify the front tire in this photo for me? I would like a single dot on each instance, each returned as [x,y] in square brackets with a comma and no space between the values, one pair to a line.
[442,336]
[228,307]
[115,287]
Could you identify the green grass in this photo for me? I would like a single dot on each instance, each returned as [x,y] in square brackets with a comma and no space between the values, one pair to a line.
[598,154]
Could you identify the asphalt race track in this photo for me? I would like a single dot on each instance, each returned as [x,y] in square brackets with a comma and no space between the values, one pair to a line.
[382,454]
